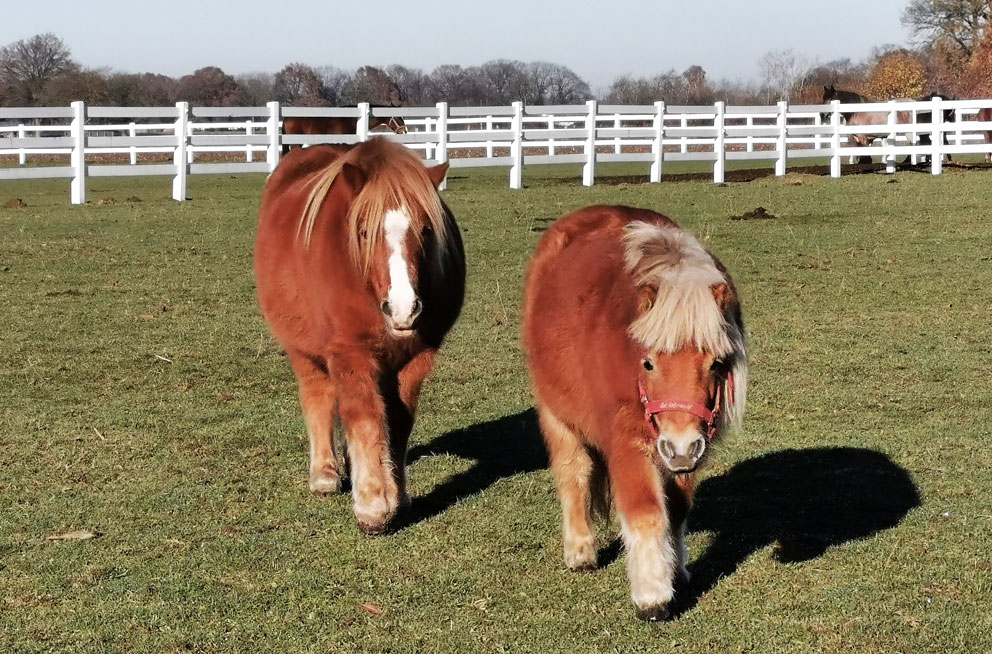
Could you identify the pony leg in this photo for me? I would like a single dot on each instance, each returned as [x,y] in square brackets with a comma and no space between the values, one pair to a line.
[363,414]
[572,468]
[639,498]
[679,491]
[317,398]
[402,399]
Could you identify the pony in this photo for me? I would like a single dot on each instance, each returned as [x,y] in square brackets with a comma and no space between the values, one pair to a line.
[360,272]
[339,125]
[635,346]
[985,115]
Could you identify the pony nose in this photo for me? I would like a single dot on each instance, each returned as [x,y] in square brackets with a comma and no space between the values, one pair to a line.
[402,315]
[681,459]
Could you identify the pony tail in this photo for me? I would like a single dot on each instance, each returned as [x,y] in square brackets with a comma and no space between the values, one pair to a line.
[600,497]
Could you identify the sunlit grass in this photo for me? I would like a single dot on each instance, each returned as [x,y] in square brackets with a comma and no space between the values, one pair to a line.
[144,400]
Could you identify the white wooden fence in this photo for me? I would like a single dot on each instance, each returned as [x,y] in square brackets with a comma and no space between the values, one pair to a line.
[190,138]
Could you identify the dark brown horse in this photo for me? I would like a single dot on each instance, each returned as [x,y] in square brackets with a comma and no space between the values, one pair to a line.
[635,346]
[324,125]
[360,273]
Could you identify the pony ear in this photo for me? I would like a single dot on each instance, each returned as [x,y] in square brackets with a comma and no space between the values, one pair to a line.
[352,177]
[722,295]
[437,173]
[646,294]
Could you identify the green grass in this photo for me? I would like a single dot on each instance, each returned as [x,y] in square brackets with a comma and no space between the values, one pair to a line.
[144,400]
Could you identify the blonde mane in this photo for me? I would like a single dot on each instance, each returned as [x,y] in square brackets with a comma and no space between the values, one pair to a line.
[684,311]
[395,179]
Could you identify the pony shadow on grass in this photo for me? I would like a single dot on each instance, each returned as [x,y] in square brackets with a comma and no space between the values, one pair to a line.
[501,448]
[800,502]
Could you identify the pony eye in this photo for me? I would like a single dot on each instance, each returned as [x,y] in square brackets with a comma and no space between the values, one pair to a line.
[717,364]
[647,365]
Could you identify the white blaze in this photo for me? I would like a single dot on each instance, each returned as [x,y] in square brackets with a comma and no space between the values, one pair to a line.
[401,295]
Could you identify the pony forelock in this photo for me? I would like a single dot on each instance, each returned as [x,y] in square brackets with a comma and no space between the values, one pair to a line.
[395,179]
[683,311]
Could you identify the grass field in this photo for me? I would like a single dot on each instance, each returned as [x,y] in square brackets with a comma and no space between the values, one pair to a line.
[144,401]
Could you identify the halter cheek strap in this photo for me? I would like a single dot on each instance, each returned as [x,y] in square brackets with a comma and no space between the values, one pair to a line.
[654,407]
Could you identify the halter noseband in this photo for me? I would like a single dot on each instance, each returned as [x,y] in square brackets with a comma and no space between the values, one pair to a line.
[654,407]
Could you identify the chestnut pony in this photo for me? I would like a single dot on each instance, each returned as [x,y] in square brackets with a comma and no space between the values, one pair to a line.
[635,345]
[360,273]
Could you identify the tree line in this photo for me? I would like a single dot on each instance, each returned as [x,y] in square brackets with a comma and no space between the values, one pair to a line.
[951,55]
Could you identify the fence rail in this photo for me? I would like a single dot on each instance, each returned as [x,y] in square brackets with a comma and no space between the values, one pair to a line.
[511,137]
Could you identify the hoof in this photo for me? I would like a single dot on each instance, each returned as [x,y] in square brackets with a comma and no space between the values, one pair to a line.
[653,613]
[583,567]
[325,483]
[580,554]
[373,529]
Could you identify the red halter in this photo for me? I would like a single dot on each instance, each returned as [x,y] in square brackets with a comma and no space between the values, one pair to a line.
[654,407]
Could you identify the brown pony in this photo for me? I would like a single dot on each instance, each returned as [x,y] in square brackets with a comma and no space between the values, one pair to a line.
[337,125]
[635,345]
[985,115]
[361,273]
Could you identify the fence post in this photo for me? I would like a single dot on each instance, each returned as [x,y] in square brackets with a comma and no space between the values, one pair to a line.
[248,132]
[78,157]
[363,121]
[890,141]
[719,145]
[22,155]
[616,140]
[517,147]
[489,141]
[783,133]
[133,132]
[441,151]
[835,138]
[551,141]
[749,122]
[684,142]
[180,159]
[658,143]
[274,149]
[589,168]
[937,137]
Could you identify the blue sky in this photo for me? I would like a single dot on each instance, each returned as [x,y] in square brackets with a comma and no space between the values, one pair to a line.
[597,40]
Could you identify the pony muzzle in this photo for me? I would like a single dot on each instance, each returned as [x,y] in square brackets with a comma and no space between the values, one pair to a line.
[401,318]
[681,455]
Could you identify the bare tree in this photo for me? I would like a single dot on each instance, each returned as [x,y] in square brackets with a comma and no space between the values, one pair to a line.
[255,89]
[335,80]
[697,90]
[299,84]
[26,66]
[504,81]
[565,86]
[136,90]
[371,84]
[957,22]
[782,73]
[90,86]
[450,83]
[413,85]
[208,87]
